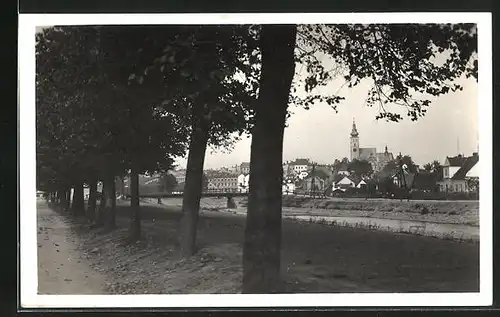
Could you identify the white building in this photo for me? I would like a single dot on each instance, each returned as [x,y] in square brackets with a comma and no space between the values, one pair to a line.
[243,180]
[288,188]
[346,182]
[299,165]
[303,174]
[361,184]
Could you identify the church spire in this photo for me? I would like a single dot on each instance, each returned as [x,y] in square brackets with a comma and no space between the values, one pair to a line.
[354,132]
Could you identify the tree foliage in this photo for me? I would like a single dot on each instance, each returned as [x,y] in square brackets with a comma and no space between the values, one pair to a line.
[88,110]
[360,168]
[168,182]
[215,66]
[408,162]
[405,64]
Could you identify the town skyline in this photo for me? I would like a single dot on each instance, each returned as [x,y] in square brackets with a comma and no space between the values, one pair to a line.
[450,127]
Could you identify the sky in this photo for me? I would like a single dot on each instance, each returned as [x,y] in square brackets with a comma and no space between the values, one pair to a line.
[450,127]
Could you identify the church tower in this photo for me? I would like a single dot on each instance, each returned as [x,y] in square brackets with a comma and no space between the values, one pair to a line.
[354,141]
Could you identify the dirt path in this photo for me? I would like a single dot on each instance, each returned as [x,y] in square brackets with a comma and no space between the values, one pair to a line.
[61,270]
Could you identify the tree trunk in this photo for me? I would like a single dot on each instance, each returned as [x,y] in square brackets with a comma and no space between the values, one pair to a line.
[91,212]
[194,182]
[101,211]
[110,210]
[262,246]
[122,185]
[78,206]
[135,224]
[230,202]
[68,200]
[61,199]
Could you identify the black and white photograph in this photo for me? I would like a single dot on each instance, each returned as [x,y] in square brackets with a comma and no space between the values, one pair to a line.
[255,160]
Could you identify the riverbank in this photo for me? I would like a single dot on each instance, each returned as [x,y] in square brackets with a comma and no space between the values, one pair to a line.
[449,212]
[315,258]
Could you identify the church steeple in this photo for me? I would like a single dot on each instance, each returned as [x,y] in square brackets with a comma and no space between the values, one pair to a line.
[354,132]
[354,141]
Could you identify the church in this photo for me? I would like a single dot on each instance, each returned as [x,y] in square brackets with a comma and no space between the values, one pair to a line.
[377,160]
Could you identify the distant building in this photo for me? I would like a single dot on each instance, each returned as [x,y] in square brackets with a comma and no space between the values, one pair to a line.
[300,165]
[315,183]
[288,188]
[340,168]
[319,175]
[225,170]
[457,170]
[377,160]
[223,182]
[244,168]
[243,183]
[302,175]
[180,175]
[235,169]
[346,182]
[361,184]
[343,172]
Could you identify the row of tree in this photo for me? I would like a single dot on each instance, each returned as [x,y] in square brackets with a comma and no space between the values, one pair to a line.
[115,101]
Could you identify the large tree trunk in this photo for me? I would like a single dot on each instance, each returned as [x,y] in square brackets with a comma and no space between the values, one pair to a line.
[262,246]
[194,182]
[92,200]
[135,224]
[78,206]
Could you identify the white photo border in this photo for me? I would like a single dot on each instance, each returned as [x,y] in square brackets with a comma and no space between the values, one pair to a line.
[27,168]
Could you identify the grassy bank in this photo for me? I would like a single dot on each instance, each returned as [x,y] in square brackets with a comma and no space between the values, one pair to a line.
[451,212]
[315,258]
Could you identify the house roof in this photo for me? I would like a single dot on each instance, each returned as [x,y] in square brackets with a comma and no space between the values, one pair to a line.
[467,165]
[348,178]
[222,174]
[458,160]
[385,156]
[366,152]
[474,171]
[301,161]
[355,179]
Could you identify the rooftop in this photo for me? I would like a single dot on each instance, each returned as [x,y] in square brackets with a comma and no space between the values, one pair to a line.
[300,161]
[458,160]
[467,165]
